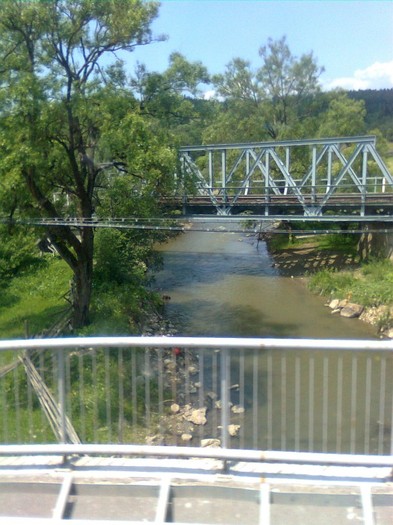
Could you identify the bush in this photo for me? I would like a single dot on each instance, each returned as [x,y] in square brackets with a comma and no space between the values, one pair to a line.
[18,251]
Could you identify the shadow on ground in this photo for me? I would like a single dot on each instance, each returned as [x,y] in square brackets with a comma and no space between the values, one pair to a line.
[299,261]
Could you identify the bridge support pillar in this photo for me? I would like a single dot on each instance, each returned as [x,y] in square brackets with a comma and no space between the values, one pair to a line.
[376,244]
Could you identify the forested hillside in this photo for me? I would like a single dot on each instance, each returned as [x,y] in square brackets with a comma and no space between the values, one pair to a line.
[379,109]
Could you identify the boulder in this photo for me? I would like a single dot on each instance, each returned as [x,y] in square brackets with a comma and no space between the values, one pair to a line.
[351,310]
[197,416]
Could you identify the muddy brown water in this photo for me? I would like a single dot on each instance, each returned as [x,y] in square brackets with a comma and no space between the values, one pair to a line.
[222,284]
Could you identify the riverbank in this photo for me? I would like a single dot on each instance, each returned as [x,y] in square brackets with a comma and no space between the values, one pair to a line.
[305,259]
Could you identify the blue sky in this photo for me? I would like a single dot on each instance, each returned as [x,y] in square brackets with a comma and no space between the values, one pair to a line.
[352,39]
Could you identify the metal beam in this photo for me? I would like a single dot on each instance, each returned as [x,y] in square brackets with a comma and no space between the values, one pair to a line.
[273,160]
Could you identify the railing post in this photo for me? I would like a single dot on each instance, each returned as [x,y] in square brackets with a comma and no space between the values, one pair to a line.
[364,182]
[224,397]
[62,395]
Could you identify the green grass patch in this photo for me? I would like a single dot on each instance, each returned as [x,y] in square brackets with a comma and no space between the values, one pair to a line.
[371,285]
[34,298]
[338,242]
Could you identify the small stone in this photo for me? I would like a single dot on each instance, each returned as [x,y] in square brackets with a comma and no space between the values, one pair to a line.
[186,437]
[175,409]
[152,440]
[192,369]
[390,333]
[210,442]
[233,430]
[211,395]
[237,409]
[218,404]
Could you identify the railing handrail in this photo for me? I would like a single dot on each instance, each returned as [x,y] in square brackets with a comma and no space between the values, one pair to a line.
[225,454]
[198,342]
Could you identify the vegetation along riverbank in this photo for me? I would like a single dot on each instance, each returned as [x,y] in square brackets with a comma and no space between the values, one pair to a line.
[332,267]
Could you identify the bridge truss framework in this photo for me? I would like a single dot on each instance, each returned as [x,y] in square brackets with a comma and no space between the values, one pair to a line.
[311,176]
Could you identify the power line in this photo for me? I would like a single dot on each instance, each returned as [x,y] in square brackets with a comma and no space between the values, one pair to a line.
[210,224]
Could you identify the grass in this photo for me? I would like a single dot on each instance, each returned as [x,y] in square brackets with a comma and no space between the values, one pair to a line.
[33,300]
[370,285]
[337,242]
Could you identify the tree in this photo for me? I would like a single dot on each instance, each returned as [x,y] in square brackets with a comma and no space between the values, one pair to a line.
[173,98]
[276,100]
[56,93]
[344,117]
[287,81]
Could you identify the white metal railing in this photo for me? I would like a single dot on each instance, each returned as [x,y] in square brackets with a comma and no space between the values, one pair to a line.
[284,395]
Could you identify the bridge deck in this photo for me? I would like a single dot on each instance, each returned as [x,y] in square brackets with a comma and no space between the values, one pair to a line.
[88,490]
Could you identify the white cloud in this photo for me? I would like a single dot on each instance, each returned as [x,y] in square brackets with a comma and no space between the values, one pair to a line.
[377,76]
[211,93]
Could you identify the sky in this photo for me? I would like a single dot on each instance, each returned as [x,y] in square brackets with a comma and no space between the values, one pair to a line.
[351,39]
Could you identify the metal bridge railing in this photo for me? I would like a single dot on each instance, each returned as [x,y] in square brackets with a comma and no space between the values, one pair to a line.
[289,395]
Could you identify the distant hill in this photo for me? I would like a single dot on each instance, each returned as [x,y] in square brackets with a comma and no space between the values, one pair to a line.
[379,106]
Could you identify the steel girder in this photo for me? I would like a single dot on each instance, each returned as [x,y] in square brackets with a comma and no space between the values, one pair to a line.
[309,172]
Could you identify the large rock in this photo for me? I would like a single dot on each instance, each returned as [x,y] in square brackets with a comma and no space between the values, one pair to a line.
[233,430]
[334,304]
[197,416]
[351,310]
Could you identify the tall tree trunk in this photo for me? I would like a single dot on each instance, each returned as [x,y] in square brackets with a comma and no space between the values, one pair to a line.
[82,281]
[82,287]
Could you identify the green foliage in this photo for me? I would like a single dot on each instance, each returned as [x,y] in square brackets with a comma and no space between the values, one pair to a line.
[339,242]
[54,109]
[371,286]
[330,282]
[18,252]
[344,117]
[35,296]
[273,101]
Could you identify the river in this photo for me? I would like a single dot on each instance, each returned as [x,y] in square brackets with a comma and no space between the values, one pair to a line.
[222,284]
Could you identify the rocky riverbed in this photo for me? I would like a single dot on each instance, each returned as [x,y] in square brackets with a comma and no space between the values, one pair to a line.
[191,414]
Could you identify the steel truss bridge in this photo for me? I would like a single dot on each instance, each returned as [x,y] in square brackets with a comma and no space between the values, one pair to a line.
[308,178]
